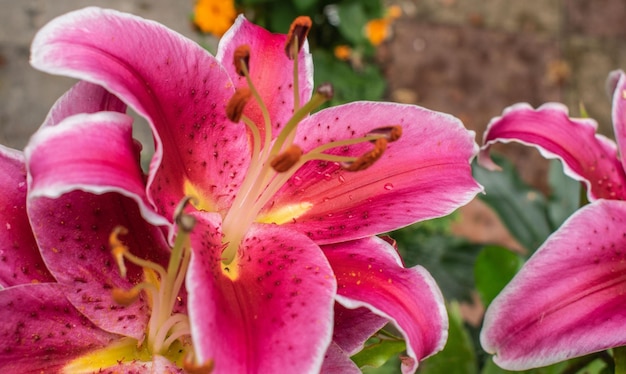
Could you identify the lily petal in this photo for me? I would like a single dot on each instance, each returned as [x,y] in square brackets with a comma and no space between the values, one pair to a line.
[41,331]
[568,299]
[426,172]
[73,235]
[337,361]
[20,261]
[175,84]
[370,274]
[89,152]
[279,300]
[354,326]
[270,70]
[83,97]
[587,156]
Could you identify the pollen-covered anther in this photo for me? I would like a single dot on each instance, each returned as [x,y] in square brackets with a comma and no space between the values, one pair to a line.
[241,59]
[236,104]
[125,297]
[391,133]
[369,158]
[285,160]
[297,34]
[118,249]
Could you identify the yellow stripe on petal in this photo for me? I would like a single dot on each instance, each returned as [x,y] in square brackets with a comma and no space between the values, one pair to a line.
[199,200]
[284,214]
[124,350]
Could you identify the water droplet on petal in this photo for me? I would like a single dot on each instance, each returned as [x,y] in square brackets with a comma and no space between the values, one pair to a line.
[327,176]
[342,179]
[297,181]
[388,186]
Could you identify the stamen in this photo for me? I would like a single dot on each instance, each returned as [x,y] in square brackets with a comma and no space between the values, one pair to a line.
[118,248]
[242,57]
[236,104]
[127,297]
[298,32]
[285,160]
[369,158]
[391,133]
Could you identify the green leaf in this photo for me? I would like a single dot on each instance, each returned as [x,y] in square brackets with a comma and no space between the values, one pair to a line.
[458,356]
[352,20]
[522,209]
[450,260]
[564,197]
[304,5]
[349,85]
[378,353]
[494,268]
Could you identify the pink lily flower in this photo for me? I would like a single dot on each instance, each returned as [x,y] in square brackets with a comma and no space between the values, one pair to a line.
[284,205]
[567,301]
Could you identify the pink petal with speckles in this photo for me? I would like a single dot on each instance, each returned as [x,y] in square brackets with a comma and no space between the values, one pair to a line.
[174,83]
[337,361]
[425,174]
[354,326]
[586,156]
[370,274]
[282,301]
[568,299]
[88,152]
[270,70]
[20,261]
[73,235]
[41,331]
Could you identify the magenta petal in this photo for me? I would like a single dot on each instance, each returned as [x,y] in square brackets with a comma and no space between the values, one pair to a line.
[587,156]
[90,152]
[73,235]
[20,261]
[354,326]
[84,97]
[425,174]
[337,361]
[41,331]
[282,301]
[568,299]
[270,69]
[370,274]
[179,87]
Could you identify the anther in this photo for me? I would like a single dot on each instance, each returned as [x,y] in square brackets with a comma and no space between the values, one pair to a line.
[236,104]
[326,90]
[369,158]
[297,34]
[125,297]
[391,133]
[184,221]
[285,160]
[242,57]
[118,249]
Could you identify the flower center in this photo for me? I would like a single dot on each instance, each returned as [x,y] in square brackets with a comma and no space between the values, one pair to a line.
[274,162]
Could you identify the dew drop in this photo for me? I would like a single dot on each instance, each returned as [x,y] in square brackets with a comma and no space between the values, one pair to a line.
[327,176]
[342,179]
[388,186]
[297,181]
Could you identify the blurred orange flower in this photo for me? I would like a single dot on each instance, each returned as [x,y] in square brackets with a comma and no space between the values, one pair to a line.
[214,16]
